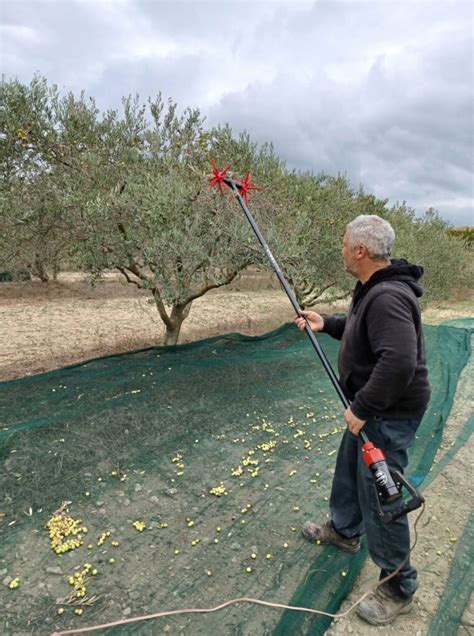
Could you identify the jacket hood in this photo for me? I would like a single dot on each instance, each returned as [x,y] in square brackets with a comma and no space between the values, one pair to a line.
[398,270]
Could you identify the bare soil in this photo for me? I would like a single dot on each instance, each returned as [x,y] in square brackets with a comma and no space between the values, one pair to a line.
[46,326]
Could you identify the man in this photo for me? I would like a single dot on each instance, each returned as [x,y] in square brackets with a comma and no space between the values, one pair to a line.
[383,373]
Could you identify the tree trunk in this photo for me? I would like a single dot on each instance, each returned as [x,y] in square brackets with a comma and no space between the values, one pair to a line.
[172,334]
[55,267]
[173,326]
[40,270]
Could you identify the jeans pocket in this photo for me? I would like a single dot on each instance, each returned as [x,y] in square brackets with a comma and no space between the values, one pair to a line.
[398,434]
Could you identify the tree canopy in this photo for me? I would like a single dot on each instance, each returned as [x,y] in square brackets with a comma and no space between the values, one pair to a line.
[128,190]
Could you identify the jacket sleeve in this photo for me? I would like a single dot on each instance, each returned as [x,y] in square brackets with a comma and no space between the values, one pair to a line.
[334,326]
[392,336]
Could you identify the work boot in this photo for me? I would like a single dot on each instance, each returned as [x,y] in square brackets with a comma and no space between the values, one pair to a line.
[326,534]
[382,608]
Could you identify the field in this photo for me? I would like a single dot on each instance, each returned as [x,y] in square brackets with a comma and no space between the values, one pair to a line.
[49,326]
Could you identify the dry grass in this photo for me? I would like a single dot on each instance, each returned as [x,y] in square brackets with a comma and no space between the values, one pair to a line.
[46,326]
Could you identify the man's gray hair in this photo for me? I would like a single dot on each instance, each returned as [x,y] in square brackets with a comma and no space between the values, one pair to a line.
[376,234]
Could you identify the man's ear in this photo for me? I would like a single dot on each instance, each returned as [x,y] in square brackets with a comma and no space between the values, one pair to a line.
[361,251]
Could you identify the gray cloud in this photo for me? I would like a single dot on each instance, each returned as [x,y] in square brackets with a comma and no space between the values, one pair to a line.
[381,91]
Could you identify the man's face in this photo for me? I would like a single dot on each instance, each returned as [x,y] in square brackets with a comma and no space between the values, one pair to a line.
[348,255]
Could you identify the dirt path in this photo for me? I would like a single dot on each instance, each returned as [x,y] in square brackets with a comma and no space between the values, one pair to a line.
[49,326]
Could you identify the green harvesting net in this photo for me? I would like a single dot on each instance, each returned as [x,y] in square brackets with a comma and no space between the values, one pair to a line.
[455,613]
[192,469]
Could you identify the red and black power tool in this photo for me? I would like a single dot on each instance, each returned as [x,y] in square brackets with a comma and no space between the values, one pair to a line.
[388,483]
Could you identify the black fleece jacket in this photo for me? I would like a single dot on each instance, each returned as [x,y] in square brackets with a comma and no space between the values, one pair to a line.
[382,361]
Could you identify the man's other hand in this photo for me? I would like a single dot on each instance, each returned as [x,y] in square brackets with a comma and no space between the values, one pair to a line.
[315,321]
[354,424]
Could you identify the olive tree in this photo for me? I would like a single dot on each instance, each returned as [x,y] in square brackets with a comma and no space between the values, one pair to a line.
[128,190]
[425,240]
[154,218]
[42,137]
[308,232]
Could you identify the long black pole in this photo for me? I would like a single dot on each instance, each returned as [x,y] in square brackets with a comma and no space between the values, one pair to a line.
[317,347]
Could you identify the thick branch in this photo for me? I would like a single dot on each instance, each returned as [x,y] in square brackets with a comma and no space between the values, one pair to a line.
[124,272]
[311,298]
[162,309]
[208,286]
[135,269]
[311,301]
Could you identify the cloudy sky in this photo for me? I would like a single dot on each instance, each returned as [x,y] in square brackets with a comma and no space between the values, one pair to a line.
[379,90]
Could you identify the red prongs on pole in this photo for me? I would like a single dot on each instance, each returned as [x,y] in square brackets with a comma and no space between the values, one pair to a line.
[218,176]
[247,186]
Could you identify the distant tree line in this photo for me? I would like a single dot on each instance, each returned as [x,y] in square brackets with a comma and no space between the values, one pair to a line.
[464,233]
[128,190]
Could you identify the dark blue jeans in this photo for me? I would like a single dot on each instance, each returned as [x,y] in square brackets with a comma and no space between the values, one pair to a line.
[353,499]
